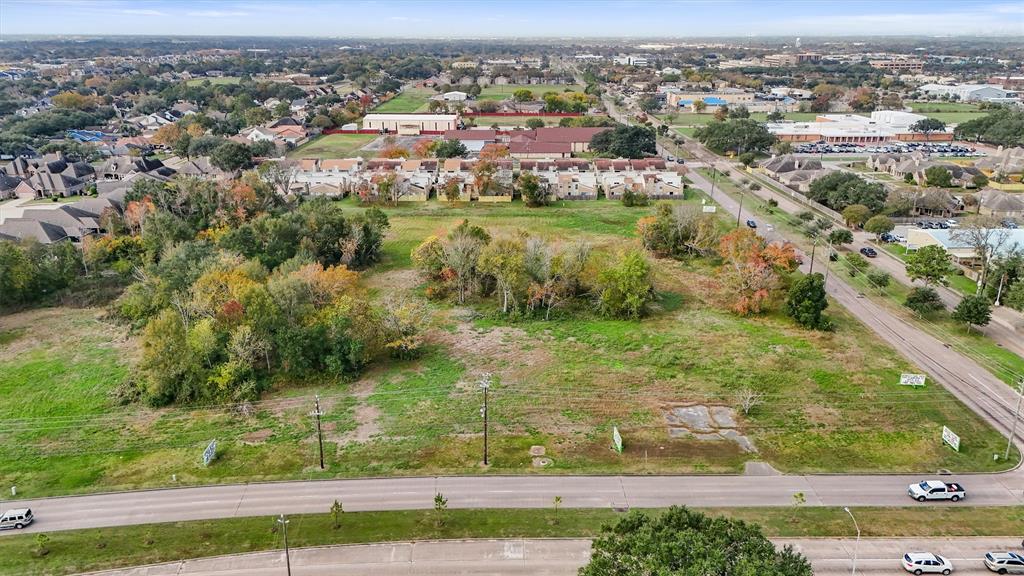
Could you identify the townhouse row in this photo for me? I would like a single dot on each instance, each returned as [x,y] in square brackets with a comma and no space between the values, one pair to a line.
[468,180]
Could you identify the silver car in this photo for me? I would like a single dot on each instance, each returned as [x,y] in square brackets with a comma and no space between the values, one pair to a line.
[16,519]
[1005,562]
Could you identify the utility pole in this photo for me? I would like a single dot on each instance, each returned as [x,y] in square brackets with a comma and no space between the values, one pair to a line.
[857,545]
[739,210]
[814,247]
[485,385]
[319,432]
[714,177]
[287,558]
[1016,416]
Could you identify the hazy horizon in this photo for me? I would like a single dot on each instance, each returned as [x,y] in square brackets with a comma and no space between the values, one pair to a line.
[465,19]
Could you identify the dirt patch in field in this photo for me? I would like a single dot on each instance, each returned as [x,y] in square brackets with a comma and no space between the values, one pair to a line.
[505,351]
[400,280]
[257,437]
[822,416]
[50,327]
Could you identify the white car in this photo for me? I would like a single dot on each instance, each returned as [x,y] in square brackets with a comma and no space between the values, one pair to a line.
[936,490]
[926,563]
[1005,562]
[16,519]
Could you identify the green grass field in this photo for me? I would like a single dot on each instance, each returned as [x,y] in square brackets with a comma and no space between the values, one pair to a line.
[107,548]
[505,91]
[222,80]
[409,100]
[832,400]
[513,120]
[335,146]
[922,107]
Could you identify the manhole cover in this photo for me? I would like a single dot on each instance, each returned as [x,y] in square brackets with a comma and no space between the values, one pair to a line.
[537,451]
[541,462]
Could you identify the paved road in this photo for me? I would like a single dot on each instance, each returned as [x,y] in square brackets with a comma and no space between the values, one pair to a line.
[546,557]
[270,499]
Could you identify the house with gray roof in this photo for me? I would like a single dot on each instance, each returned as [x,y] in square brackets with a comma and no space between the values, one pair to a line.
[28,228]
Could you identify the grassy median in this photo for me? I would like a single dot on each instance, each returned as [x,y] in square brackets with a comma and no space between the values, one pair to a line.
[83,550]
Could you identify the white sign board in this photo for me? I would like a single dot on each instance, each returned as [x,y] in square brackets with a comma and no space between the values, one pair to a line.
[617,439]
[707,208]
[210,453]
[950,438]
[912,379]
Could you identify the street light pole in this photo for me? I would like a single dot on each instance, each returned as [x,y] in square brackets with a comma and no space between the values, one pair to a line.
[1016,416]
[485,385]
[857,545]
[287,558]
[319,433]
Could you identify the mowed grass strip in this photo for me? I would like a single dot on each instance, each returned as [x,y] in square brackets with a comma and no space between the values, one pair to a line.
[408,101]
[106,548]
[335,146]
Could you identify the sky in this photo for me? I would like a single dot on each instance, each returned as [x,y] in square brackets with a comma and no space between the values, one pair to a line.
[505,18]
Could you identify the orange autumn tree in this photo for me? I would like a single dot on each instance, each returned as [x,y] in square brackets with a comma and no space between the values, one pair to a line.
[752,269]
[395,152]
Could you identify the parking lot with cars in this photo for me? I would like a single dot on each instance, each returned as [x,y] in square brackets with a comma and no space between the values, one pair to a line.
[927,148]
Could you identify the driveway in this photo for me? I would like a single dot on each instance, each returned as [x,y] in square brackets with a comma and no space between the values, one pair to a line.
[14,208]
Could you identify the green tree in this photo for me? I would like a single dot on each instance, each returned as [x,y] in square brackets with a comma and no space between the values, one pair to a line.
[979,180]
[534,123]
[522,95]
[747,159]
[336,511]
[450,149]
[879,225]
[840,236]
[503,260]
[928,125]
[938,176]
[879,279]
[855,263]
[624,287]
[440,510]
[530,189]
[737,135]
[856,214]
[929,263]
[839,189]
[806,301]
[625,142]
[924,300]
[973,310]
[684,542]
[231,156]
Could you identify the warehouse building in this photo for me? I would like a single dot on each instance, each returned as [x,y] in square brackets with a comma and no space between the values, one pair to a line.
[410,124]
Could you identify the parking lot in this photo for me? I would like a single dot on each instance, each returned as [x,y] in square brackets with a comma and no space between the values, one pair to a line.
[927,148]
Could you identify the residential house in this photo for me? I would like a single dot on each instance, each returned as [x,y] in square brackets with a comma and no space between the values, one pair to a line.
[14,187]
[47,184]
[339,175]
[992,202]
[1004,163]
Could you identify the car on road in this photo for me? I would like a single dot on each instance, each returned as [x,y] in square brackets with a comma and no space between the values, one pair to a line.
[868,251]
[936,490]
[751,224]
[670,158]
[926,563]
[1005,562]
[16,519]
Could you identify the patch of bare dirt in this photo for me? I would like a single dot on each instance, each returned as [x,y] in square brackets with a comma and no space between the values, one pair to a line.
[257,437]
[819,415]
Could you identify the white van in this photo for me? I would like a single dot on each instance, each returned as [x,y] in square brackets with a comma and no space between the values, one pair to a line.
[16,519]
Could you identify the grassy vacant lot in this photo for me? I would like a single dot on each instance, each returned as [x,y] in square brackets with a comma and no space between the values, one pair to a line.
[922,107]
[215,81]
[335,146]
[832,400]
[98,549]
[506,91]
[513,120]
[409,100]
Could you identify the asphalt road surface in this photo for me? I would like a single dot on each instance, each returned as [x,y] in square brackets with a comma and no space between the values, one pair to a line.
[543,557]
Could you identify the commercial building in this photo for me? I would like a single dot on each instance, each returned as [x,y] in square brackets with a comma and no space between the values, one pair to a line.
[881,126]
[725,97]
[968,92]
[1002,241]
[783,60]
[899,65]
[410,124]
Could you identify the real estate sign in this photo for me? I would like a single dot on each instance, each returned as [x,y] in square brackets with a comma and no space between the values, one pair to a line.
[710,209]
[210,453]
[912,379]
[617,439]
[950,438]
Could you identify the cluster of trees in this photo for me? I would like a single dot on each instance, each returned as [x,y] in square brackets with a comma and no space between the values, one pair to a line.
[682,541]
[625,142]
[529,275]
[567,102]
[1003,127]
[17,134]
[679,231]
[32,272]
[738,135]
[232,293]
[754,271]
[839,189]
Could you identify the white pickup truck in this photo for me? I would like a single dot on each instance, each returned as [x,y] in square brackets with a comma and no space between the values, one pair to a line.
[936,490]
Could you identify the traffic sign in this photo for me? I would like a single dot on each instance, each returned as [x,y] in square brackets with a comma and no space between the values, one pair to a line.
[912,379]
[210,453]
[950,438]
[617,439]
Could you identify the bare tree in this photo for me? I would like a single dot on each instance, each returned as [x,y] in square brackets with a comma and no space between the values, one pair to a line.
[461,254]
[749,399]
[279,175]
[986,236]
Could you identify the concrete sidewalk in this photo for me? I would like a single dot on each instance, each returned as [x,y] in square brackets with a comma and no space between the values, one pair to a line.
[829,556]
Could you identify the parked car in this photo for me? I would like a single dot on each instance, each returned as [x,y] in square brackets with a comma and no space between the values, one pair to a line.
[926,563]
[887,237]
[899,238]
[833,256]
[751,224]
[936,490]
[17,519]
[1005,562]
[1010,224]
[868,251]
